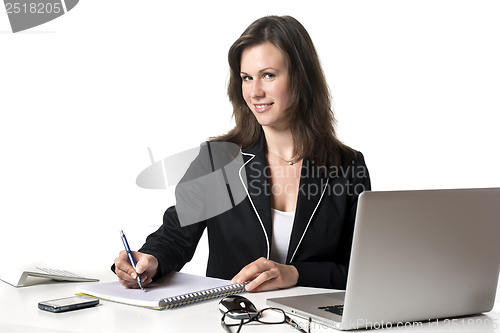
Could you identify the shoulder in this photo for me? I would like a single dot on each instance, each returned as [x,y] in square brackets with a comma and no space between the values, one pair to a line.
[360,174]
[359,158]
[353,166]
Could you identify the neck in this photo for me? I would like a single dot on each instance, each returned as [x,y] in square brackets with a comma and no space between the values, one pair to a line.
[280,142]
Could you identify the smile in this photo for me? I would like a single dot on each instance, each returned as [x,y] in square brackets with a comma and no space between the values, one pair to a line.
[262,107]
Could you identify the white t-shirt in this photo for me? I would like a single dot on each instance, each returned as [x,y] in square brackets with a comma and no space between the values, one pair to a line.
[282,229]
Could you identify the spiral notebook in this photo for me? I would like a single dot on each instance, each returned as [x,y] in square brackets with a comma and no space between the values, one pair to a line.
[176,289]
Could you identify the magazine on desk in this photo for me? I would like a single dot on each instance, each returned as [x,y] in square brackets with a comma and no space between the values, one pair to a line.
[174,290]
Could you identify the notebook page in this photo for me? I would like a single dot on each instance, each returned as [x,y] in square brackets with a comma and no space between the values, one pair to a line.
[175,284]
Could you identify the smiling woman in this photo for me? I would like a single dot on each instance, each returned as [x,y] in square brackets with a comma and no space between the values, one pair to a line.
[266,87]
[291,227]
[309,110]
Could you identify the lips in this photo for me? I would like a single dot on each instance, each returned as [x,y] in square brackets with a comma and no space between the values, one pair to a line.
[262,107]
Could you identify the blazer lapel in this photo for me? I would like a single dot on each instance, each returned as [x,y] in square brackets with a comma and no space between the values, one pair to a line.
[258,185]
[259,190]
[310,190]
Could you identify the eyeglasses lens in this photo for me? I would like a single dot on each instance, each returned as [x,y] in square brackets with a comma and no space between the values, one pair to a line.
[272,316]
[236,318]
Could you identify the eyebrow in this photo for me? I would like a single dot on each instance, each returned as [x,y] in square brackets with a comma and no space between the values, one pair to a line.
[262,70]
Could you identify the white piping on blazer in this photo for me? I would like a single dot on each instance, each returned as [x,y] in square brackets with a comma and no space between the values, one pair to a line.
[260,220]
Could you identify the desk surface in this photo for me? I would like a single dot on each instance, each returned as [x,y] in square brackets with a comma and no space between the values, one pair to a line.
[19,313]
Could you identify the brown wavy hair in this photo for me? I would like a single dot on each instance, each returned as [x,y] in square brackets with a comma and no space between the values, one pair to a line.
[310,111]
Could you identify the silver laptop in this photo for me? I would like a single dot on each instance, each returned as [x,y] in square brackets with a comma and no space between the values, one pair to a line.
[416,256]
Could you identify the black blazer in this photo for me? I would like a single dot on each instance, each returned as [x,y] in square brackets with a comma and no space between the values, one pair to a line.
[321,238]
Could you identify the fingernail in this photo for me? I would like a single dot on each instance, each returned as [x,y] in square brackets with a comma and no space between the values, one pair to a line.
[248,288]
[133,275]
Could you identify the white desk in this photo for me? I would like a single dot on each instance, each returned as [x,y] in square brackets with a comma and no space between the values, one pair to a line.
[19,313]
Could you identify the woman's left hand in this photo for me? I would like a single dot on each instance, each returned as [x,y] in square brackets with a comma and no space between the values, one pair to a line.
[266,274]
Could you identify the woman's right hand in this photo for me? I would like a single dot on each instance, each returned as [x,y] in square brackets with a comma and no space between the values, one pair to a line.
[146,265]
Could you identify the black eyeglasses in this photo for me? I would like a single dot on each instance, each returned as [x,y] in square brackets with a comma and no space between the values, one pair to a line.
[266,316]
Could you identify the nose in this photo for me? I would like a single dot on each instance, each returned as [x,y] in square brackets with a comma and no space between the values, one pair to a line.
[257,90]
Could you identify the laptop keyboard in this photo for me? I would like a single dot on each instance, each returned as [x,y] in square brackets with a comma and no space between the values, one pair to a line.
[336,309]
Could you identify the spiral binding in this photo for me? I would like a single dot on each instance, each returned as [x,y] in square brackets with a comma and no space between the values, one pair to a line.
[203,295]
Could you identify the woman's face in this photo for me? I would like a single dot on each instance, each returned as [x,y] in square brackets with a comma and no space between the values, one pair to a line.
[265,84]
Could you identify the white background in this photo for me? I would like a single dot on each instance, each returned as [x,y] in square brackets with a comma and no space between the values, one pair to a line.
[415,84]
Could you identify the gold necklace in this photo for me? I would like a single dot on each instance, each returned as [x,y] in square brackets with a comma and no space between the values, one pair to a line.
[290,162]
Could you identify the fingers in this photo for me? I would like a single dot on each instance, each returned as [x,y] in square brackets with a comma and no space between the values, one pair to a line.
[267,280]
[123,265]
[143,263]
[250,271]
[132,284]
[265,274]
[146,267]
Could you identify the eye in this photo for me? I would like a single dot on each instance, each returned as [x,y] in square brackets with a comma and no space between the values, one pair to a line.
[246,78]
[269,76]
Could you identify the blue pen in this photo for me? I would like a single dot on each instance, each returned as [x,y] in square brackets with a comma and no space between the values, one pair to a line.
[130,258]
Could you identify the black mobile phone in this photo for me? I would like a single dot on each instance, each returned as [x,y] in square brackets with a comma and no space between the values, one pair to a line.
[67,304]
